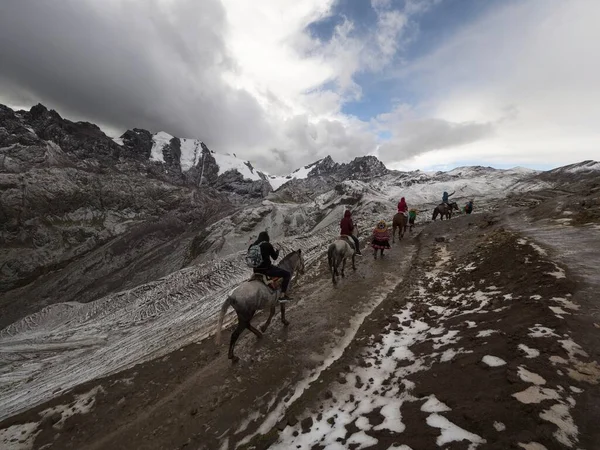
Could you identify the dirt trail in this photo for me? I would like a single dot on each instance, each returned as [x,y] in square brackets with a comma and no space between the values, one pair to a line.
[467,335]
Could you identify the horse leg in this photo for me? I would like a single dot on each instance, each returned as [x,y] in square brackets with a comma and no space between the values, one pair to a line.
[353,266]
[393,233]
[285,322]
[375,253]
[234,337]
[334,271]
[263,328]
[343,267]
[258,334]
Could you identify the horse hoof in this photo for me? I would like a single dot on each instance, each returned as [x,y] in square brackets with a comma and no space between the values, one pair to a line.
[234,359]
[286,323]
[263,329]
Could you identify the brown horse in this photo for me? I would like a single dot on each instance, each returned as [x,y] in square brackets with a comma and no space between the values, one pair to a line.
[400,222]
[444,210]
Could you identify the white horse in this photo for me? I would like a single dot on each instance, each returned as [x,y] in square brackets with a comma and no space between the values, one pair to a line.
[338,253]
[253,295]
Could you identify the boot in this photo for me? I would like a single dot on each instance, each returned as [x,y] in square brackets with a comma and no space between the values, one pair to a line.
[284,298]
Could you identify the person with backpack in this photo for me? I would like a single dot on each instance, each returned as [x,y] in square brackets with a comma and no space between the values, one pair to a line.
[412,216]
[347,227]
[469,207]
[259,259]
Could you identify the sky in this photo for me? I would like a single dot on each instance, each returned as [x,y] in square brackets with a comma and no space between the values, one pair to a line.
[421,84]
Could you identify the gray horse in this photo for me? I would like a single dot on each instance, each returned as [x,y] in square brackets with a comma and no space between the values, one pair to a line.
[338,253]
[444,210]
[253,295]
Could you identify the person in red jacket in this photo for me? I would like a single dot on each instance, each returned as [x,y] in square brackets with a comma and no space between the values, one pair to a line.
[402,206]
[347,228]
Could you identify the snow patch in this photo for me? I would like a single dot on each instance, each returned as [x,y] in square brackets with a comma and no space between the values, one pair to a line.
[566,303]
[539,331]
[451,432]
[493,361]
[558,273]
[19,437]
[228,162]
[532,446]
[530,377]
[362,439]
[159,140]
[558,311]
[486,333]
[536,394]
[82,404]
[499,426]
[538,249]
[560,415]
[191,153]
[433,405]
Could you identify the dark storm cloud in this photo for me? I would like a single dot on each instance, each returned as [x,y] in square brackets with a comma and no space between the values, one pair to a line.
[151,64]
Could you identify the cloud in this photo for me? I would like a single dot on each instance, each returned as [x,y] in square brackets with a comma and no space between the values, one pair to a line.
[249,77]
[244,76]
[421,136]
[152,64]
[526,69]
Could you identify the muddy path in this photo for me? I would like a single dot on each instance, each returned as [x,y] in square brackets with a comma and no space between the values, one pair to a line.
[468,334]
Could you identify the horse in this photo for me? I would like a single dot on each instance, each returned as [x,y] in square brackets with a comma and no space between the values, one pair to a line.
[338,252]
[444,210]
[253,295]
[399,221]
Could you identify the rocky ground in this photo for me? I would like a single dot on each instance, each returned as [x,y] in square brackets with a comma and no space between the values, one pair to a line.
[480,332]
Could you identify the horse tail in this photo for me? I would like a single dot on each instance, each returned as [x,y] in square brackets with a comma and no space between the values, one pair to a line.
[228,302]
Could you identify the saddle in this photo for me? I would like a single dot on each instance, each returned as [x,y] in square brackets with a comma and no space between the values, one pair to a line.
[348,240]
[271,282]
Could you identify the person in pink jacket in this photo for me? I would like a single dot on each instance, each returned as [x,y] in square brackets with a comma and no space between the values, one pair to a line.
[402,206]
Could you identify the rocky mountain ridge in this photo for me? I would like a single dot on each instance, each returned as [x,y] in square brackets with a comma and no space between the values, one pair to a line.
[83,215]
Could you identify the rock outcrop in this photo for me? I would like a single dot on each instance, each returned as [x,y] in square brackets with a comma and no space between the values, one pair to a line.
[81,215]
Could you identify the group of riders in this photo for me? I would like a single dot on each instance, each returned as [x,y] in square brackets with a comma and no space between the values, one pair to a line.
[261,252]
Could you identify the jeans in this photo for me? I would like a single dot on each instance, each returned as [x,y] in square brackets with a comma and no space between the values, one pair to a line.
[275,271]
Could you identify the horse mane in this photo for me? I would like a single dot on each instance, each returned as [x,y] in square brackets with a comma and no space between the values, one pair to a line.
[288,256]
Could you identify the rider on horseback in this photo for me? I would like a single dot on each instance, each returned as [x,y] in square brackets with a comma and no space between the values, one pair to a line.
[445,198]
[347,227]
[402,206]
[267,268]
